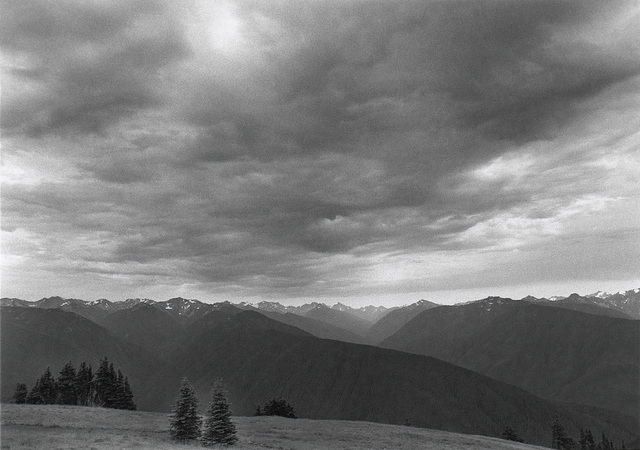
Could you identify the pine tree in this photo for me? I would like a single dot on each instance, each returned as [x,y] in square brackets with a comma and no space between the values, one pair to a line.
[119,390]
[111,400]
[128,396]
[185,422]
[104,388]
[34,397]
[559,438]
[20,395]
[67,386]
[218,426]
[48,387]
[605,443]
[84,379]
[511,435]
[586,440]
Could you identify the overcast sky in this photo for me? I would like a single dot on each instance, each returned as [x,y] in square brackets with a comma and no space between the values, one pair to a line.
[354,151]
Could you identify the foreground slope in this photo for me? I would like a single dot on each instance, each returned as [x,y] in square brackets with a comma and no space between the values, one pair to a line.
[71,427]
[259,358]
[553,352]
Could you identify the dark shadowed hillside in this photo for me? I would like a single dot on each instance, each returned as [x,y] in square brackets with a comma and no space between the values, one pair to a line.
[396,319]
[259,358]
[146,326]
[316,327]
[553,352]
[34,338]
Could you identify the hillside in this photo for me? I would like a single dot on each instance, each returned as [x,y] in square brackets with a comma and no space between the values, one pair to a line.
[78,428]
[326,379]
[32,339]
[316,327]
[339,318]
[396,319]
[553,352]
[146,326]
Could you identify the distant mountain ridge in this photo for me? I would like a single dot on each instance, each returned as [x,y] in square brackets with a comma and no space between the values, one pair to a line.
[626,302]
[396,319]
[189,307]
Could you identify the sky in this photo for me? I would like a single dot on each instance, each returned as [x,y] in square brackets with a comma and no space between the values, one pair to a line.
[366,152]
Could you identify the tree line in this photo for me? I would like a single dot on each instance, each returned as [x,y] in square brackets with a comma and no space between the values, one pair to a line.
[561,440]
[106,388]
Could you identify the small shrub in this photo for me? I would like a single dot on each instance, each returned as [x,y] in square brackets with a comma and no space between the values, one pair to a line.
[277,407]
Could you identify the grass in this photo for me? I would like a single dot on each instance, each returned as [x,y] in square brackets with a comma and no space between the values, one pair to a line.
[70,427]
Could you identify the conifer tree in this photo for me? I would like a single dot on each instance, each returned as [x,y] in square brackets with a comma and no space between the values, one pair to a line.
[559,438]
[34,397]
[119,390]
[48,388]
[128,396]
[67,386]
[218,428]
[605,443]
[20,394]
[84,379]
[185,422]
[111,398]
[511,435]
[586,440]
[104,388]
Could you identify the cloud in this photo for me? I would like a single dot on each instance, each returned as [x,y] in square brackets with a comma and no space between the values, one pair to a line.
[316,148]
[79,67]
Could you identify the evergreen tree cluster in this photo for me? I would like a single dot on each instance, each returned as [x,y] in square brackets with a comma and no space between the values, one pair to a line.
[185,423]
[107,388]
[276,407]
[560,439]
[587,442]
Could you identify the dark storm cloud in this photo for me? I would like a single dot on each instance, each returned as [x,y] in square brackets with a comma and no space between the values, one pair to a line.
[298,148]
[408,78]
[425,89]
[86,65]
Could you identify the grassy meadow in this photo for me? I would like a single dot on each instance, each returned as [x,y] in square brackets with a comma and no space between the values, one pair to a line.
[70,427]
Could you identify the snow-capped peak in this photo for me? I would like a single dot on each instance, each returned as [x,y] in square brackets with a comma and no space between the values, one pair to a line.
[600,294]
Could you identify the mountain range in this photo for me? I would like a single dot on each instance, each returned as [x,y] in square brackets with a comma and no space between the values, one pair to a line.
[555,353]
[473,368]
